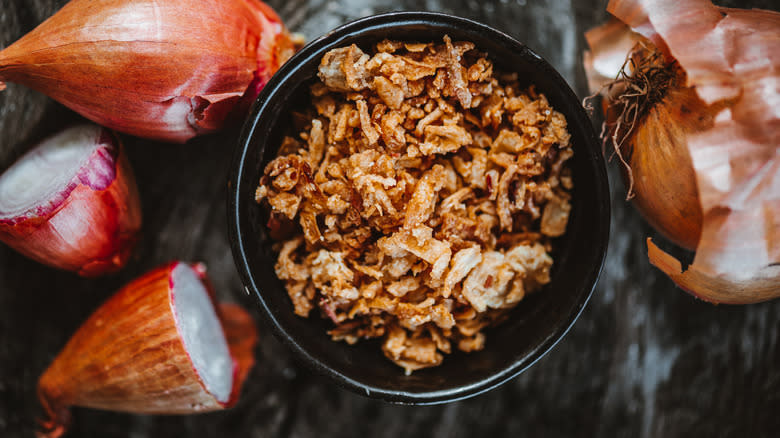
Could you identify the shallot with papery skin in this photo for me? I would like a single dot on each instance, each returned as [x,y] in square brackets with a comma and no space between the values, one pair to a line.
[158,346]
[161,70]
[693,112]
[72,203]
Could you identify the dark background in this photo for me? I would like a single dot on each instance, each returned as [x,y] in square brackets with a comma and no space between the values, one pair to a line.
[643,360]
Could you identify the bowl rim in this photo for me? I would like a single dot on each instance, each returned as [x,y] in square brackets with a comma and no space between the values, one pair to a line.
[239,165]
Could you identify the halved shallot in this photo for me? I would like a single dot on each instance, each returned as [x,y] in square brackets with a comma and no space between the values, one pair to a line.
[158,346]
[166,70]
[72,202]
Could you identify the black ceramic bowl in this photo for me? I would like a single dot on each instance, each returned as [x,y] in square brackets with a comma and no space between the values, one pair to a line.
[535,325]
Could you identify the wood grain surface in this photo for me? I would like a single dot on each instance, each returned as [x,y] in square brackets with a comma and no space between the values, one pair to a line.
[644,359]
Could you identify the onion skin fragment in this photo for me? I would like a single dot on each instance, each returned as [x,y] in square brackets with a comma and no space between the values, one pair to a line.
[610,43]
[159,70]
[90,226]
[717,288]
[129,356]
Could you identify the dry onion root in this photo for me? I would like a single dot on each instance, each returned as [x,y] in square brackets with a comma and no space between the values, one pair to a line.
[158,346]
[161,70]
[72,202]
[692,108]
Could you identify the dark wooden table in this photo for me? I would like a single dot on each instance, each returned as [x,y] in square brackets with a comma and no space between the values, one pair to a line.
[644,359]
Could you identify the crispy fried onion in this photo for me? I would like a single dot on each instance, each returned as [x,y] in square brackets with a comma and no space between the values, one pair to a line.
[422,192]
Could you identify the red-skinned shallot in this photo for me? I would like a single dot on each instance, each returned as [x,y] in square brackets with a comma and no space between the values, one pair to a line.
[161,70]
[158,346]
[72,203]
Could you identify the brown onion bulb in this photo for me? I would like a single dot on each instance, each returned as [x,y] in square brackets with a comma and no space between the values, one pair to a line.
[664,181]
[659,171]
[693,115]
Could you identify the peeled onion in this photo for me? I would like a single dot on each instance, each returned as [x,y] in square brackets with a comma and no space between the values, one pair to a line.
[72,203]
[158,346]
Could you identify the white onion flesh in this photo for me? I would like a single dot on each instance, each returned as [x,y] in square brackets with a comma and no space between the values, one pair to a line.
[41,174]
[201,331]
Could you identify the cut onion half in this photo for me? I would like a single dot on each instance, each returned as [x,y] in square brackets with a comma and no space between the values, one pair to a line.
[72,202]
[158,346]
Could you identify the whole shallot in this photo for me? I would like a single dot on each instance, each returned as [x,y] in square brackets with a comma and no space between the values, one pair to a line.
[166,70]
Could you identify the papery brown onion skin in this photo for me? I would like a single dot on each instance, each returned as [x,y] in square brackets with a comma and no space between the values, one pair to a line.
[92,225]
[160,70]
[717,288]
